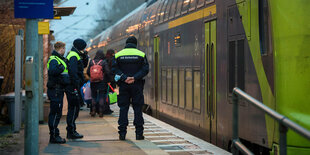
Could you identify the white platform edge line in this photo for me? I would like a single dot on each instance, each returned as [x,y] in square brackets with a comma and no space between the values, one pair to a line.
[186,150]
[197,141]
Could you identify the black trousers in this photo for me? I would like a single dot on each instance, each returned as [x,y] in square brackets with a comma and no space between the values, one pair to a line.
[74,103]
[56,96]
[131,93]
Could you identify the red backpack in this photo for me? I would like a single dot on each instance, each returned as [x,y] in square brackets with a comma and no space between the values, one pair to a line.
[96,73]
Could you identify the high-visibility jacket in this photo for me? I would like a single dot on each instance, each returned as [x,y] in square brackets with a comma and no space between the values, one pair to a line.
[57,71]
[76,68]
[60,61]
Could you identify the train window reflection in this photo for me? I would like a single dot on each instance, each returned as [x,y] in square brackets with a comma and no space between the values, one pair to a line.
[181,88]
[175,86]
[209,1]
[162,12]
[197,90]
[192,5]
[173,8]
[158,12]
[179,8]
[168,9]
[169,85]
[200,3]
[189,89]
[163,85]
[185,6]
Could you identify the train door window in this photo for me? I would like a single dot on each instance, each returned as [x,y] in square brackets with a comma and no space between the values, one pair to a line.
[179,8]
[175,86]
[158,12]
[163,85]
[168,9]
[185,6]
[162,12]
[200,3]
[240,67]
[189,89]
[169,85]
[181,88]
[236,65]
[192,5]
[197,90]
[173,8]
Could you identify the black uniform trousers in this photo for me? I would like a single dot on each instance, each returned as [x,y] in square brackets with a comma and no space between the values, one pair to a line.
[74,103]
[131,93]
[56,96]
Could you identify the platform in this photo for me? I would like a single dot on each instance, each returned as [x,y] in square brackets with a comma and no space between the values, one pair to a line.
[101,137]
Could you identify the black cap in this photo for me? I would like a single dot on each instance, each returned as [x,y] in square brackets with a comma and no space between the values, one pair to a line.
[132,39]
[79,44]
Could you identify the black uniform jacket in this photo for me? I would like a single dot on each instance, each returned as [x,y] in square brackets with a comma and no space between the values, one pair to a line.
[130,62]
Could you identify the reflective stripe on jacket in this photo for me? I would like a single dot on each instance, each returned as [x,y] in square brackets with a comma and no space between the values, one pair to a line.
[60,61]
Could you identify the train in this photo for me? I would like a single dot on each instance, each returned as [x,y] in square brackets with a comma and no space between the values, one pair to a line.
[199,50]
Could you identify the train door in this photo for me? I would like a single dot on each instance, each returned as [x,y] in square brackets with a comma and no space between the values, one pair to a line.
[156,73]
[210,79]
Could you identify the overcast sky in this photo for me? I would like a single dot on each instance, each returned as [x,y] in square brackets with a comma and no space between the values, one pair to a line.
[79,23]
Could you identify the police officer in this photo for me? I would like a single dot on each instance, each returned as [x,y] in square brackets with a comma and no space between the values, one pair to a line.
[78,60]
[130,66]
[58,78]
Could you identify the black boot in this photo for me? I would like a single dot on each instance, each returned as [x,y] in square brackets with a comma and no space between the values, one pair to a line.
[140,137]
[74,135]
[122,137]
[57,140]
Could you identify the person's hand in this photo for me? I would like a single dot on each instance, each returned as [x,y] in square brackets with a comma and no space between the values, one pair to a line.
[130,80]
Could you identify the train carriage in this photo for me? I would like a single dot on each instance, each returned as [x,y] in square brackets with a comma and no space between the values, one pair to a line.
[199,50]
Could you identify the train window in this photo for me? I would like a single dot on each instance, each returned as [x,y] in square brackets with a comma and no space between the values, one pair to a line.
[168,9]
[189,89]
[209,1]
[162,12]
[173,8]
[181,88]
[263,26]
[158,12]
[197,90]
[175,86]
[236,65]
[179,8]
[192,5]
[185,6]
[200,3]
[163,85]
[169,85]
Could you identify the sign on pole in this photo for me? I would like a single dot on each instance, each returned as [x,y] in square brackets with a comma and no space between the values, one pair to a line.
[43,28]
[33,9]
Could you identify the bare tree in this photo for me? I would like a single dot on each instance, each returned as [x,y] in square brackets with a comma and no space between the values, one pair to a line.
[111,12]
